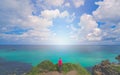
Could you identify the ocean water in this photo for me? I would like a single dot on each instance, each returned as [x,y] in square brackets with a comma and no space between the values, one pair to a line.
[87,56]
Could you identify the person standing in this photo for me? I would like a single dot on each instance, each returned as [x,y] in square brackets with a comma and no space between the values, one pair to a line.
[60,65]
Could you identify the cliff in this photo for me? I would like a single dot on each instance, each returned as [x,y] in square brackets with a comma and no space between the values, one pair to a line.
[48,68]
[106,68]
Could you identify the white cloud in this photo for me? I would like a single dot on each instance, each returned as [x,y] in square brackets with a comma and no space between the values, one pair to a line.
[50,14]
[54,2]
[30,36]
[67,4]
[88,30]
[89,27]
[18,14]
[78,3]
[12,10]
[48,4]
[87,22]
[64,14]
[95,35]
[108,12]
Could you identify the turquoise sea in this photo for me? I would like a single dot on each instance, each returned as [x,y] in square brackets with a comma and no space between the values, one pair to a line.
[85,55]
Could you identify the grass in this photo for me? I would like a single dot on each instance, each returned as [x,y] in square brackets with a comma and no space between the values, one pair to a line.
[47,66]
[116,68]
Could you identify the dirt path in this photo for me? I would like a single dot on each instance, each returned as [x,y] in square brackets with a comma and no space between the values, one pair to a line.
[57,73]
[72,73]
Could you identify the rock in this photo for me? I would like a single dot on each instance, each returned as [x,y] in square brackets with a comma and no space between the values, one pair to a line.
[97,73]
[106,68]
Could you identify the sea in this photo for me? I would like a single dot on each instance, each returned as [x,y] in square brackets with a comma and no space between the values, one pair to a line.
[85,55]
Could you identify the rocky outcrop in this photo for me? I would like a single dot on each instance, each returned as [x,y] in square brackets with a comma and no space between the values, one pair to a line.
[106,68]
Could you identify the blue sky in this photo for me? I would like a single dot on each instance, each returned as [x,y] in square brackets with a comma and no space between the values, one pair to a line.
[60,22]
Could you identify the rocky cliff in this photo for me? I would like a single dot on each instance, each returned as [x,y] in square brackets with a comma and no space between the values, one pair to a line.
[106,68]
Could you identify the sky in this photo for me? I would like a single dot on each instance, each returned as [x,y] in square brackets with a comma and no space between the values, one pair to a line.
[60,22]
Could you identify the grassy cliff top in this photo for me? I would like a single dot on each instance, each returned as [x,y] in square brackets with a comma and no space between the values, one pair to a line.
[47,66]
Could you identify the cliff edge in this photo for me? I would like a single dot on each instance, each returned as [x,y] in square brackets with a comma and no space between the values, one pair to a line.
[106,68]
[48,68]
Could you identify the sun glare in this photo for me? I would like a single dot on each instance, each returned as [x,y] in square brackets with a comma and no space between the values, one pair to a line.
[61,41]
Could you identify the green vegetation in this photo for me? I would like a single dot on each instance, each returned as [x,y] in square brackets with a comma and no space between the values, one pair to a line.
[44,66]
[69,67]
[47,66]
[116,68]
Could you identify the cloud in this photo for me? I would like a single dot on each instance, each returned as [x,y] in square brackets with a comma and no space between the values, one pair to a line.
[64,14]
[30,36]
[95,35]
[33,21]
[88,29]
[54,2]
[108,12]
[51,14]
[78,3]
[18,14]
[67,4]
[87,22]
[12,12]
[48,4]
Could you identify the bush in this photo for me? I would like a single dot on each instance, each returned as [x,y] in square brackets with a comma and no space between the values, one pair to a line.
[47,66]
